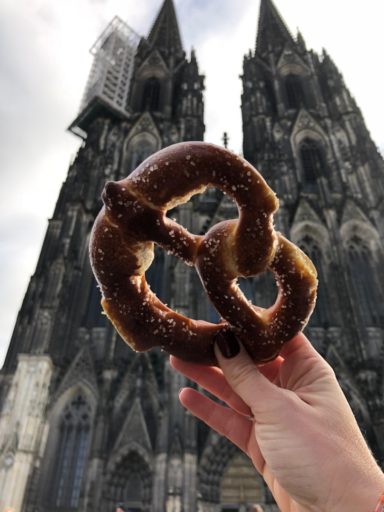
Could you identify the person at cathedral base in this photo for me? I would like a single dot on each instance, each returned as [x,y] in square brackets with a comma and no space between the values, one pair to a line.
[292,419]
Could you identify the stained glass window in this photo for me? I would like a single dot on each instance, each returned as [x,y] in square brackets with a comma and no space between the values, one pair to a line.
[72,453]
[364,282]
[151,94]
[320,315]
[294,92]
[312,162]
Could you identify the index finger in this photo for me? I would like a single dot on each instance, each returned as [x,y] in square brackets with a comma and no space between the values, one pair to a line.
[212,379]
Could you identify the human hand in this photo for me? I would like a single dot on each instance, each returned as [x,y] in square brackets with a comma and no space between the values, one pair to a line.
[291,418]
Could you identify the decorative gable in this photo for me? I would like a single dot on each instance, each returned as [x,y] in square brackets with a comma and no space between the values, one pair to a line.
[145,124]
[307,222]
[134,429]
[353,212]
[291,62]
[305,213]
[153,65]
[139,374]
[305,121]
[81,370]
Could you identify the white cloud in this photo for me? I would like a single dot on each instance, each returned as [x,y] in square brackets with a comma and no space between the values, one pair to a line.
[44,62]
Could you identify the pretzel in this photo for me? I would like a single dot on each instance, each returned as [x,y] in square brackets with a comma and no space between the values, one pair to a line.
[134,218]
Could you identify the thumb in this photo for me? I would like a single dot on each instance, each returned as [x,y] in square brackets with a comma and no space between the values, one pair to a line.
[241,373]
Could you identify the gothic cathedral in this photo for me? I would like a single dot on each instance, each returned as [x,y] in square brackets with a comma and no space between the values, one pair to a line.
[86,423]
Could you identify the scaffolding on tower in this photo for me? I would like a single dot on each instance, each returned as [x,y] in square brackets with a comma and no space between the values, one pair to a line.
[109,80]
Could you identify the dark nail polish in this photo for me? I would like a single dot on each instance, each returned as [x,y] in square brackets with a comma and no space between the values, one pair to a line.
[227,343]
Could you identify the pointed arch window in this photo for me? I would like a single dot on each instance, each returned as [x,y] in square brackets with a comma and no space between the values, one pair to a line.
[320,316]
[294,92]
[364,282]
[93,316]
[270,94]
[139,148]
[151,94]
[312,163]
[75,426]
[130,484]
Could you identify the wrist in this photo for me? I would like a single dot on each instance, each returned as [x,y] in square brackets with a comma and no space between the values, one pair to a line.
[362,496]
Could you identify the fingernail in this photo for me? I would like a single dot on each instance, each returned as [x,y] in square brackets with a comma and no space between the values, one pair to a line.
[227,343]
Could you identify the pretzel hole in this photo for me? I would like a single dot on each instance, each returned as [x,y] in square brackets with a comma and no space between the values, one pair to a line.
[156,275]
[161,280]
[260,291]
[205,207]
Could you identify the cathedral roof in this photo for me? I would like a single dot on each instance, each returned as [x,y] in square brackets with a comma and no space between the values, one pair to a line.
[165,33]
[272,31]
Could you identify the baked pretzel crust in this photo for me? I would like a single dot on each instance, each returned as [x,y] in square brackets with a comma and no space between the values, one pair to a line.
[134,218]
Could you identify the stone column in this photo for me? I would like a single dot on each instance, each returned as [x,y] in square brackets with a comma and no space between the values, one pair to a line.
[22,427]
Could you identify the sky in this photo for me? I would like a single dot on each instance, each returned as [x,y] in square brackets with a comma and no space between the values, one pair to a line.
[44,64]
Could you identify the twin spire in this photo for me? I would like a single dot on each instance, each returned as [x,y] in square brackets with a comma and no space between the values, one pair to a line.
[165,33]
[272,31]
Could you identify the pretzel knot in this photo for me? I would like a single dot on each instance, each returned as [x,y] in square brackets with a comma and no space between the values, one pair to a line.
[134,218]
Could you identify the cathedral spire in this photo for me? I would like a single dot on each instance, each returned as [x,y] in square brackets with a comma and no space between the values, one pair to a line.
[272,31]
[165,33]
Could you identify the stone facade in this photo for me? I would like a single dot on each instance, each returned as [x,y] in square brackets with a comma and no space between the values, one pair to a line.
[85,422]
